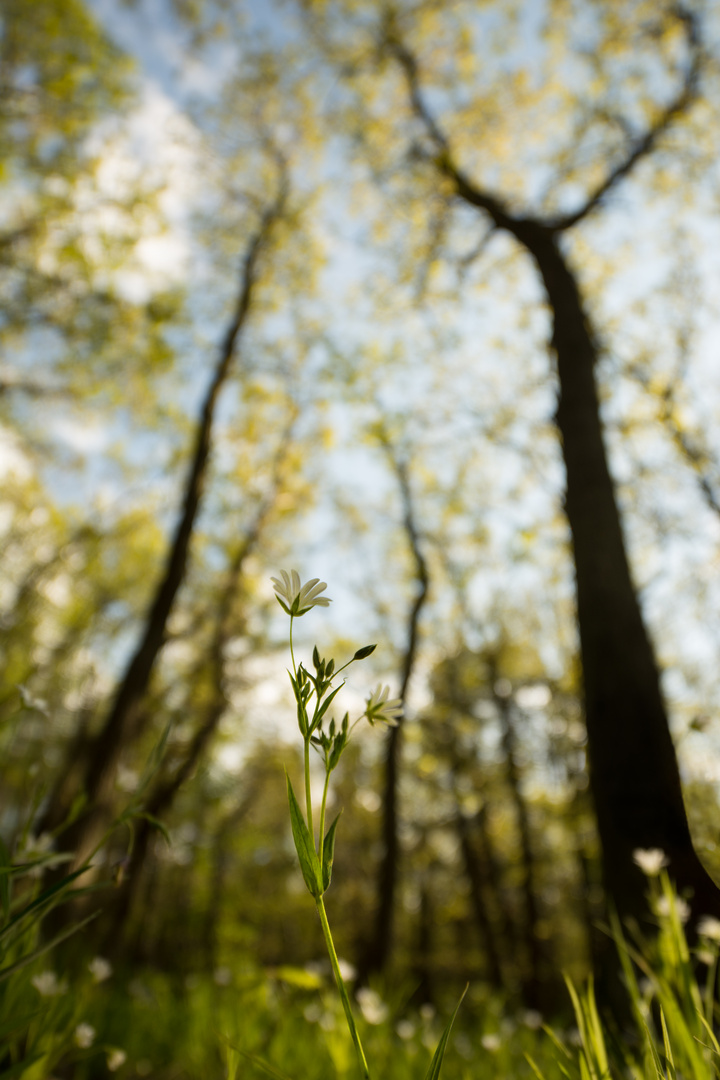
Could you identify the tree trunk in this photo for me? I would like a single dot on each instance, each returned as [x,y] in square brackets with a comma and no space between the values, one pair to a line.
[99,774]
[478,896]
[377,953]
[634,774]
[531,981]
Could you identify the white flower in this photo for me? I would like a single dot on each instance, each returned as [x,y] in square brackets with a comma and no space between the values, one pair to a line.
[84,1036]
[405,1029]
[115,1059]
[532,1019]
[372,1005]
[650,860]
[347,970]
[100,969]
[709,927]
[47,985]
[491,1042]
[380,708]
[663,908]
[296,598]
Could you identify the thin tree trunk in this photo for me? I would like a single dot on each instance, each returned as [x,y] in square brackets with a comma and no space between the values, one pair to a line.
[532,980]
[377,953]
[633,768]
[478,895]
[99,775]
[165,791]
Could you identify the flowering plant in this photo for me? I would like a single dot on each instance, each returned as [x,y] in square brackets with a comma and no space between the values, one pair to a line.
[314,694]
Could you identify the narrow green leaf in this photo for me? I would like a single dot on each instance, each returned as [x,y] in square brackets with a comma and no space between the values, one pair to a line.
[5,861]
[44,898]
[436,1064]
[365,651]
[317,718]
[157,824]
[19,1067]
[6,972]
[304,845]
[329,854]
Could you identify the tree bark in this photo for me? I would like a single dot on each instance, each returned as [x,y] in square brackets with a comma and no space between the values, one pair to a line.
[377,952]
[633,769]
[99,774]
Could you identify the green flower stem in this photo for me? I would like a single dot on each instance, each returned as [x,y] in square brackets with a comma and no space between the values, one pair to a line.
[341,987]
[322,816]
[308,797]
[292,654]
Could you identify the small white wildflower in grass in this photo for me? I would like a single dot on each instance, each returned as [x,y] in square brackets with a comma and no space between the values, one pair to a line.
[100,969]
[405,1029]
[47,985]
[115,1059]
[381,708]
[222,976]
[705,957]
[296,598]
[709,927]
[663,907]
[327,1021]
[347,970]
[463,1046]
[34,848]
[312,1012]
[650,860]
[427,1011]
[84,1036]
[491,1042]
[532,1019]
[372,1005]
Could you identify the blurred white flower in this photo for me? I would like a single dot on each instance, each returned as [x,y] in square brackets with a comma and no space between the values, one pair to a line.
[372,1005]
[405,1029]
[34,848]
[327,1021]
[222,976]
[650,860]
[709,927]
[312,1012]
[491,1042]
[115,1059]
[705,957]
[296,598]
[663,908]
[379,707]
[84,1036]
[47,985]
[532,1019]
[100,969]
[347,970]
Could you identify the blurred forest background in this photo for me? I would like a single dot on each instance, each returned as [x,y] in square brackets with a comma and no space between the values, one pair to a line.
[309,284]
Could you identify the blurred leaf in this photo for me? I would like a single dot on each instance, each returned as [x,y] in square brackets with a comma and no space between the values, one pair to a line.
[436,1064]
[329,854]
[309,861]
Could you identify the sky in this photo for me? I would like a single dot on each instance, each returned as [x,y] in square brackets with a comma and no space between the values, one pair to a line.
[632,305]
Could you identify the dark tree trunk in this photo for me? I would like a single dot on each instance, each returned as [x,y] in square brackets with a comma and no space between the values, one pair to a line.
[101,765]
[377,953]
[478,895]
[531,982]
[633,768]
